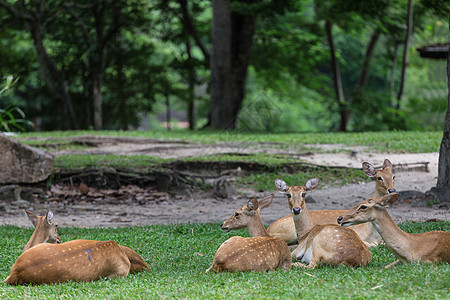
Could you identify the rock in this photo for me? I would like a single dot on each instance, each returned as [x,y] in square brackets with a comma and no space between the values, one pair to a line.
[21,163]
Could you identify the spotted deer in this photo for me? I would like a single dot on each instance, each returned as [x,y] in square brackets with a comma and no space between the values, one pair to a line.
[427,247]
[46,229]
[257,253]
[319,243]
[79,260]
[284,228]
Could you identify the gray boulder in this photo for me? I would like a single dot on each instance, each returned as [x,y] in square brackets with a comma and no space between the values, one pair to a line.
[22,164]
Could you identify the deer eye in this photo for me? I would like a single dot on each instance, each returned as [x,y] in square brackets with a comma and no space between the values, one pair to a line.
[393,177]
[303,195]
[380,178]
[362,207]
[288,195]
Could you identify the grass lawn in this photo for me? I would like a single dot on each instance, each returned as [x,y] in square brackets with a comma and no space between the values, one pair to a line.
[178,256]
[393,141]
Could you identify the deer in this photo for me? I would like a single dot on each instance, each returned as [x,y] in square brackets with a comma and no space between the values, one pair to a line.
[284,228]
[260,252]
[427,247]
[45,229]
[319,243]
[77,260]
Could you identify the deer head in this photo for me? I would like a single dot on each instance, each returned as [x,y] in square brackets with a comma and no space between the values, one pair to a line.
[367,210]
[248,214]
[384,177]
[296,194]
[46,229]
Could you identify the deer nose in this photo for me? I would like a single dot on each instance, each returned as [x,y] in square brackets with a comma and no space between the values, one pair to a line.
[339,220]
[391,190]
[296,210]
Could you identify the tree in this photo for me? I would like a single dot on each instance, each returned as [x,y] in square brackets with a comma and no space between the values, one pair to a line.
[405,62]
[37,17]
[231,38]
[443,182]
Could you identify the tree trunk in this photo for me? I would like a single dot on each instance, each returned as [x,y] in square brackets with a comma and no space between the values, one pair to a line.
[191,86]
[220,65]
[54,79]
[393,68]
[443,182]
[337,81]
[242,32]
[232,39]
[95,92]
[405,63]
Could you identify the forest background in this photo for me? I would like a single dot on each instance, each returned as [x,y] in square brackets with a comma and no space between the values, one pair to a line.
[284,66]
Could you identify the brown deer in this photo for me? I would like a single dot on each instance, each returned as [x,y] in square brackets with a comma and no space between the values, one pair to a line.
[46,229]
[257,253]
[321,243]
[426,247]
[284,228]
[20,271]
[77,260]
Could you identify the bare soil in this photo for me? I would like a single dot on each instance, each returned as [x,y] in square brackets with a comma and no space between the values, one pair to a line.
[82,206]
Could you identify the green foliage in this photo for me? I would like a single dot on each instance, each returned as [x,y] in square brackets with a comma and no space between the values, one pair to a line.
[162,50]
[12,118]
[178,256]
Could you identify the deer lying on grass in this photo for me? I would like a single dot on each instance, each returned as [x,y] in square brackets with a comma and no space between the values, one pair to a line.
[43,268]
[321,243]
[426,247]
[45,229]
[257,253]
[284,228]
[77,260]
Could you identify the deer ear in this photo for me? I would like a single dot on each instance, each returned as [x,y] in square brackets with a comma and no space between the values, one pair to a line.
[388,199]
[368,169]
[252,204]
[49,217]
[312,184]
[387,164]
[265,202]
[281,186]
[32,217]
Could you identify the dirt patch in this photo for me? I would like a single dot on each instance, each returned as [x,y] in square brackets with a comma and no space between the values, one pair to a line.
[132,205]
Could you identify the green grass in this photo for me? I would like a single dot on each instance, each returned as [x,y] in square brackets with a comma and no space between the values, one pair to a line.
[178,255]
[394,141]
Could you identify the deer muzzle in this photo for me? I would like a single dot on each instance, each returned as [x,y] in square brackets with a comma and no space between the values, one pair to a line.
[225,228]
[296,210]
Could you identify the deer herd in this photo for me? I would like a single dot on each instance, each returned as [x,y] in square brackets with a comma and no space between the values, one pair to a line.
[333,237]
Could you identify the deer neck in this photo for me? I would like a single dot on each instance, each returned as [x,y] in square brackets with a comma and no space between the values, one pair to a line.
[303,222]
[256,228]
[38,237]
[396,239]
